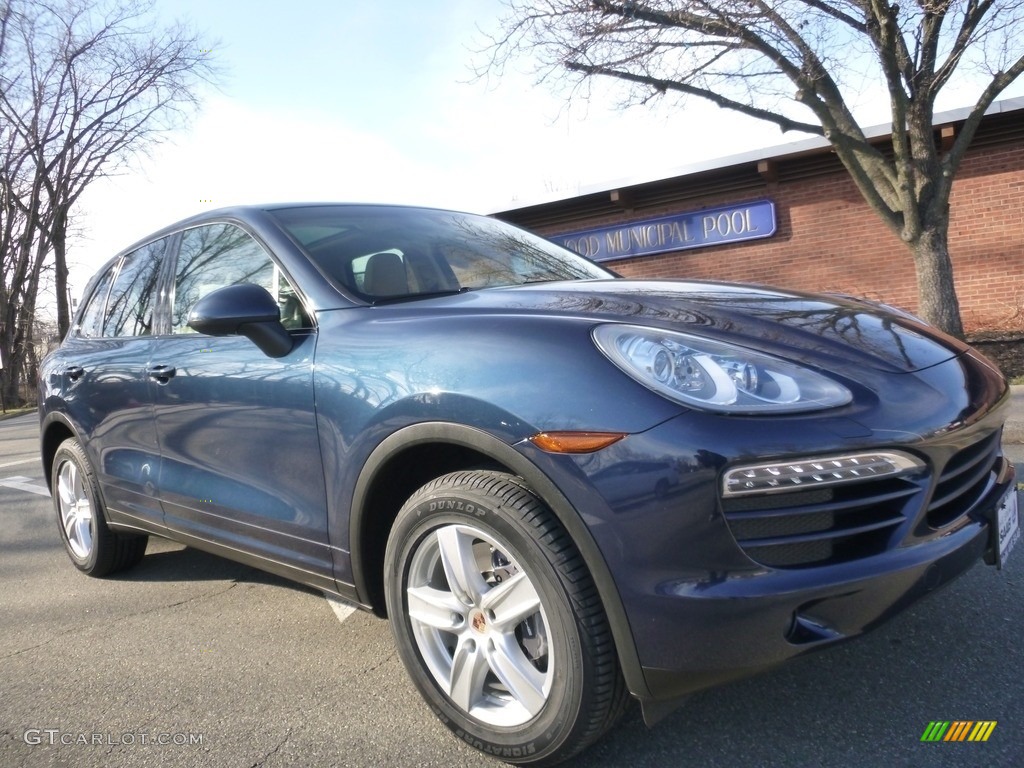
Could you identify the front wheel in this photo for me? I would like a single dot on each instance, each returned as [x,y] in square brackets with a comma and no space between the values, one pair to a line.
[498,622]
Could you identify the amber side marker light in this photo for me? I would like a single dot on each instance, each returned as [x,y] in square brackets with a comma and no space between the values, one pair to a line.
[575,442]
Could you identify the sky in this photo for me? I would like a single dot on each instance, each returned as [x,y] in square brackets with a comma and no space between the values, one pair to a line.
[346,100]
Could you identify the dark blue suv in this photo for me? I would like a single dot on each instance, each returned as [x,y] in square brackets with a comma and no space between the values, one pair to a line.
[565,489]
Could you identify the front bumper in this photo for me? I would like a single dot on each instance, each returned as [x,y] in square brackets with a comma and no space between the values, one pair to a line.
[713,632]
[715,590]
[708,590]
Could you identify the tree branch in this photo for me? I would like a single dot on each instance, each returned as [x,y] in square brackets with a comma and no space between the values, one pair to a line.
[660,85]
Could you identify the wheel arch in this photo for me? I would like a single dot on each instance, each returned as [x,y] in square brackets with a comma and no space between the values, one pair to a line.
[413,456]
[55,429]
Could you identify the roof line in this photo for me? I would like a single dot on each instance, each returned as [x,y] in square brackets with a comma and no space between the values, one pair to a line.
[777,151]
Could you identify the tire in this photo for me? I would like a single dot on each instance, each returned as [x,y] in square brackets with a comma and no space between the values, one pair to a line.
[498,622]
[81,517]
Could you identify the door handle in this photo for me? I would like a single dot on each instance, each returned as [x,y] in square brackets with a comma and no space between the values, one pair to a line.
[162,373]
[74,373]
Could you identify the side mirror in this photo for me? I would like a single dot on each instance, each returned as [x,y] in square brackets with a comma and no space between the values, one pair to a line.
[242,310]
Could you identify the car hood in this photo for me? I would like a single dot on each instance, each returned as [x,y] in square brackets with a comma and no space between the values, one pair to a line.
[828,331]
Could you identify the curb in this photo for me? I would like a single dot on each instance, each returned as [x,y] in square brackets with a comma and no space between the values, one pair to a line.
[1013,432]
[13,413]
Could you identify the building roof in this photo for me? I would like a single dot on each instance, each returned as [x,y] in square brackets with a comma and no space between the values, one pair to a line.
[810,156]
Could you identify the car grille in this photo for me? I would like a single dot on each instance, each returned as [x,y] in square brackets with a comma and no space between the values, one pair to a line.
[845,522]
[964,481]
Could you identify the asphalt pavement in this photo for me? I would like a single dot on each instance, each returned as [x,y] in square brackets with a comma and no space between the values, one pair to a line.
[191,660]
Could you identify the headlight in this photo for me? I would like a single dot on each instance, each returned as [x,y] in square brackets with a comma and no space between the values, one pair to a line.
[714,376]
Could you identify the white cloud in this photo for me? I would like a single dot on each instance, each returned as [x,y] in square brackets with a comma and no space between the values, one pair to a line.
[333,102]
[484,150]
[235,154]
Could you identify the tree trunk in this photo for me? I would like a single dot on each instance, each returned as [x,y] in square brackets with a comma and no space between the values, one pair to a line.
[935,288]
[59,242]
[14,367]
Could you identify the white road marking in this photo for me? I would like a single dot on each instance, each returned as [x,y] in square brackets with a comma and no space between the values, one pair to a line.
[21,461]
[25,484]
[341,609]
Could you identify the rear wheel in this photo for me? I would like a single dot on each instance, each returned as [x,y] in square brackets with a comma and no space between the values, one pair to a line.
[498,621]
[81,516]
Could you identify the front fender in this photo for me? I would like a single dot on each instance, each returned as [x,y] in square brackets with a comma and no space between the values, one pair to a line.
[436,435]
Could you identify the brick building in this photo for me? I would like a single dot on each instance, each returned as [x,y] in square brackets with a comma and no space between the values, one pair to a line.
[823,236]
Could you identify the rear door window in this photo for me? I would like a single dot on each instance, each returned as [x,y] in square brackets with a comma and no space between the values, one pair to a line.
[90,323]
[131,304]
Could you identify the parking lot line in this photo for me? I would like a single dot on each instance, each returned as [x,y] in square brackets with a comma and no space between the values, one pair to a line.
[25,484]
[20,461]
[341,609]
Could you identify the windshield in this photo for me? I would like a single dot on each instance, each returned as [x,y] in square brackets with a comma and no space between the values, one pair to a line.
[387,253]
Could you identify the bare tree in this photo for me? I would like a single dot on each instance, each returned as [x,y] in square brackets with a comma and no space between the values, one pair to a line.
[799,64]
[84,87]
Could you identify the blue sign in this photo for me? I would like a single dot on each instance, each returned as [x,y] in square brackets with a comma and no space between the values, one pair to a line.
[696,229]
